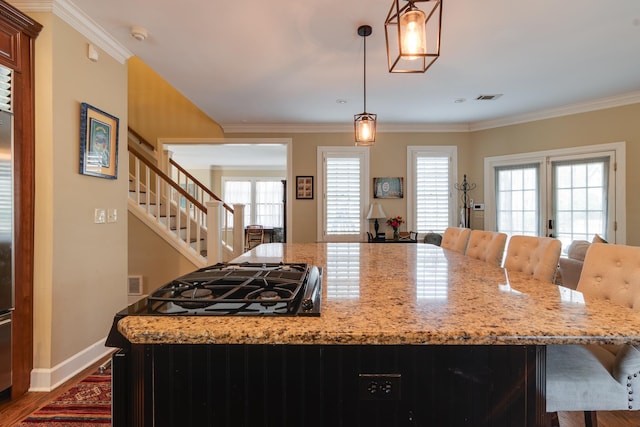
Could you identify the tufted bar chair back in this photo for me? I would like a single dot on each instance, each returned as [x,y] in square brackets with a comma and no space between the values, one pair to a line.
[455,239]
[612,272]
[487,246]
[537,256]
[595,377]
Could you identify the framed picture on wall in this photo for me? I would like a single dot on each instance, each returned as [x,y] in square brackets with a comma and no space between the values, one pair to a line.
[304,187]
[388,188]
[98,143]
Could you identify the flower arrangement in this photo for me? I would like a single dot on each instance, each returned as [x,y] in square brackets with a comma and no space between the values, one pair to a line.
[395,222]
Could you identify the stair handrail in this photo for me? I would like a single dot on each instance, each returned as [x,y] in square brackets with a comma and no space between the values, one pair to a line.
[167,179]
[199,184]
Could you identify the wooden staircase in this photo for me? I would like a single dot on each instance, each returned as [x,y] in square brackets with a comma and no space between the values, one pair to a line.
[195,222]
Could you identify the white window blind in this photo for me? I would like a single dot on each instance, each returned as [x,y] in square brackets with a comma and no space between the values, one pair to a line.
[433,190]
[343,196]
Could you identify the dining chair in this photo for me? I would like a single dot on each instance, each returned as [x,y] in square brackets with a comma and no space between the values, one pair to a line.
[593,378]
[455,239]
[537,256]
[254,236]
[487,246]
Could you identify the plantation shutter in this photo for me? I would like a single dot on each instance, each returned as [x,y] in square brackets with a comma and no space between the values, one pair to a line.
[432,193]
[343,212]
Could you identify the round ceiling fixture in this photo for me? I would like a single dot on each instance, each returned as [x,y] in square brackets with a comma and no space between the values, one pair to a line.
[139,33]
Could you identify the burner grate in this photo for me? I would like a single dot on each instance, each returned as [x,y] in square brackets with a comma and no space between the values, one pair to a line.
[232,289]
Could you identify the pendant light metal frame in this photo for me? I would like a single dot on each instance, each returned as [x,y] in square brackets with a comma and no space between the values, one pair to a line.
[403,62]
[360,121]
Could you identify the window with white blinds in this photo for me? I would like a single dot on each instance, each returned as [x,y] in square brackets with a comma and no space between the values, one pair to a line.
[344,192]
[430,183]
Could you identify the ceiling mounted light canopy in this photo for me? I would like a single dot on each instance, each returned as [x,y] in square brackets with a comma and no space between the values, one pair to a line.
[365,123]
[413,35]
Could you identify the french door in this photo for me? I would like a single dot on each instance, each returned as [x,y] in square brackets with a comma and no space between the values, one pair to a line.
[567,194]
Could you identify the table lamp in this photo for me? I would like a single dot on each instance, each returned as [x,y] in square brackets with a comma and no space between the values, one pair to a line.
[376,212]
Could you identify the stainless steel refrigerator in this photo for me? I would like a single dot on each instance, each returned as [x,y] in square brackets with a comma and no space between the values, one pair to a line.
[6,247]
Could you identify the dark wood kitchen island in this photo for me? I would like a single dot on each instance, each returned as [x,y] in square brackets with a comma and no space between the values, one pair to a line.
[409,335]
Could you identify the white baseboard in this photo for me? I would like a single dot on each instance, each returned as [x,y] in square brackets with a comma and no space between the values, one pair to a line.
[48,379]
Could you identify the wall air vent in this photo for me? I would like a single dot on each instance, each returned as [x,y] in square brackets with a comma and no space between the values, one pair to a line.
[488,97]
[135,285]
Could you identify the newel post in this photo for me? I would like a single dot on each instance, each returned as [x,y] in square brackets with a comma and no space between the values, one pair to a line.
[214,238]
[238,229]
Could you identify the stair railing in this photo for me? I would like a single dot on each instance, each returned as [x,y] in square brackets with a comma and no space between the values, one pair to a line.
[169,205]
[231,233]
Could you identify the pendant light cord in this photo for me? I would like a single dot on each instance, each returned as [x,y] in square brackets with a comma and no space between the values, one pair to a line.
[365,74]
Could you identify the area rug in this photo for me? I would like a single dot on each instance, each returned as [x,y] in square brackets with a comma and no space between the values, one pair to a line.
[84,405]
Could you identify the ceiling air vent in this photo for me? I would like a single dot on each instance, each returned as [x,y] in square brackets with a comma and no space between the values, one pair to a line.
[488,97]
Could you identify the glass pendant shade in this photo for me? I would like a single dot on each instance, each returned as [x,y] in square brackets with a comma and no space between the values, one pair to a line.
[412,35]
[365,128]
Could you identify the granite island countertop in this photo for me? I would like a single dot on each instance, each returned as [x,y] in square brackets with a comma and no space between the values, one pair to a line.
[385,294]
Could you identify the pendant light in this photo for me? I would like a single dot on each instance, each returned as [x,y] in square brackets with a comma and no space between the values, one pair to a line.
[365,123]
[413,35]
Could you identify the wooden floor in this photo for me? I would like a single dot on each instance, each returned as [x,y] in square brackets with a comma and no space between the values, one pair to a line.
[13,412]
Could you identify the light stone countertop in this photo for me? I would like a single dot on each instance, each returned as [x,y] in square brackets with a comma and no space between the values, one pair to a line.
[405,294]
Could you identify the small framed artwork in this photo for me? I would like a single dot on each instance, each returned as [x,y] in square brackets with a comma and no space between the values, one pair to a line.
[98,143]
[387,188]
[304,187]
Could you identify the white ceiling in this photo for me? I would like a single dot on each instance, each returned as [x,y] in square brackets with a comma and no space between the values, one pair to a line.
[284,65]
[270,64]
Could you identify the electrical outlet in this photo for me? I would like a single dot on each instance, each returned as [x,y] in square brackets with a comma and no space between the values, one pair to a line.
[112,215]
[379,386]
[99,216]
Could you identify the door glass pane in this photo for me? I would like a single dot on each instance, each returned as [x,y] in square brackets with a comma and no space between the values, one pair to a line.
[517,199]
[580,199]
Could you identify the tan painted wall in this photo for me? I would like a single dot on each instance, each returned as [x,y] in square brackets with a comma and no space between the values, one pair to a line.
[153,258]
[388,158]
[80,267]
[157,110]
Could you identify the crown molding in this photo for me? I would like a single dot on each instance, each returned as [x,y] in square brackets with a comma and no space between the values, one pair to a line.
[565,110]
[81,22]
[583,107]
[340,127]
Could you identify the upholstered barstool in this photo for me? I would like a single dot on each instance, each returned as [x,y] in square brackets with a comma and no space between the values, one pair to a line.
[455,239]
[594,378]
[537,256]
[487,246]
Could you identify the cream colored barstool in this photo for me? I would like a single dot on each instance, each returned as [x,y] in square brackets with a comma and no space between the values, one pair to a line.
[455,238]
[537,256]
[594,378]
[487,246]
